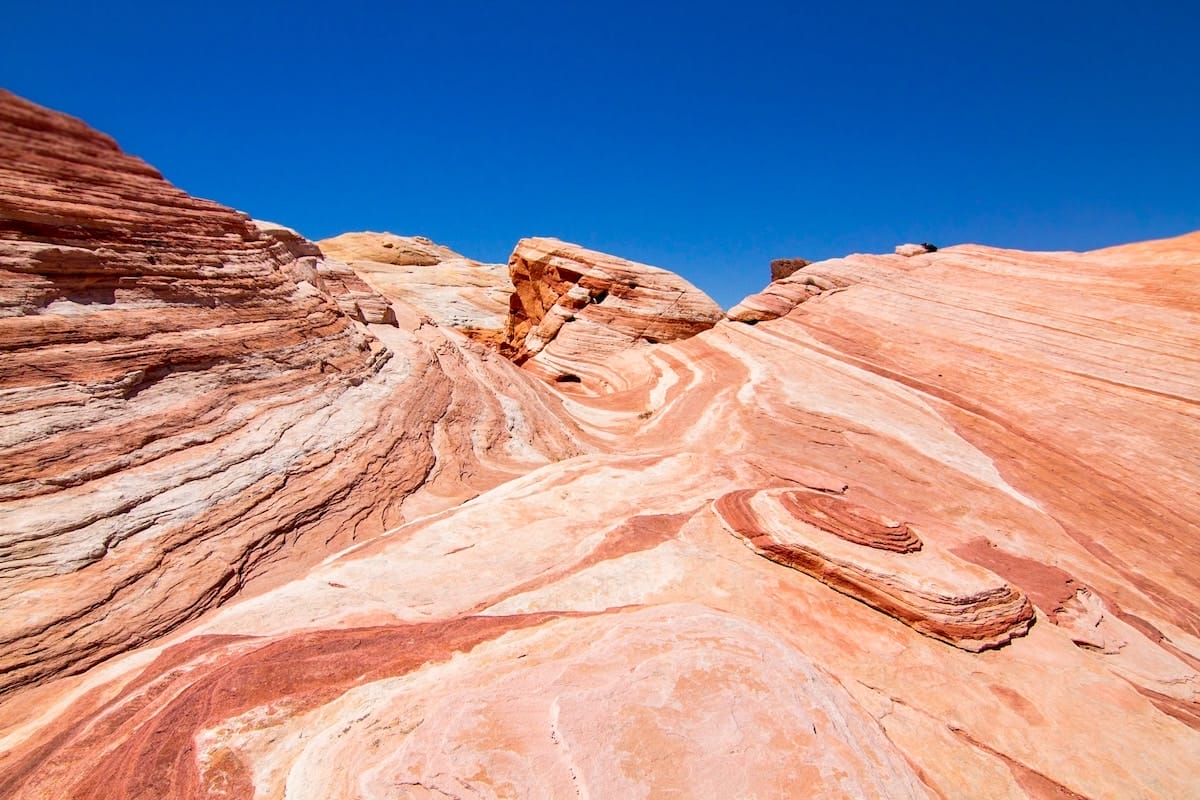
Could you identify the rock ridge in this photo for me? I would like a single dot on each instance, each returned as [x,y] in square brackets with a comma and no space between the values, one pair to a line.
[839,544]
[187,397]
[929,531]
[571,308]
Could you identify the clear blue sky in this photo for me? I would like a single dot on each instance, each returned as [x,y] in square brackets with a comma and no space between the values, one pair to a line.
[705,138]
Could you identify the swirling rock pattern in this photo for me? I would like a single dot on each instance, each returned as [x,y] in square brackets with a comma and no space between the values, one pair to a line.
[839,544]
[185,395]
[849,521]
[782,295]
[573,308]
[411,568]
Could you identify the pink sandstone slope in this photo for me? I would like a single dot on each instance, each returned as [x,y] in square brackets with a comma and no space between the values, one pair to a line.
[186,396]
[925,527]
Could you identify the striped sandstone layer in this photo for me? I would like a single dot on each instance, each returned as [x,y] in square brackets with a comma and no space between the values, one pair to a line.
[589,626]
[842,546]
[186,395]
[573,308]
[455,291]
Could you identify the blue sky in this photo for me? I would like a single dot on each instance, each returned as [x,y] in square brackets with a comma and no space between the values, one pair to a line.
[705,138]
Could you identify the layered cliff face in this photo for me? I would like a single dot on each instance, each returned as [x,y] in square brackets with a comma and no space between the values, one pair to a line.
[185,395]
[927,528]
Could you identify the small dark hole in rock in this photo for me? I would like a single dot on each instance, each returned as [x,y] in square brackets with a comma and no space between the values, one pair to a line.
[600,296]
[568,378]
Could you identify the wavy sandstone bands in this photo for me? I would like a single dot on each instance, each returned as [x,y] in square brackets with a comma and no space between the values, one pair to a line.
[453,290]
[935,593]
[573,308]
[185,397]
[469,580]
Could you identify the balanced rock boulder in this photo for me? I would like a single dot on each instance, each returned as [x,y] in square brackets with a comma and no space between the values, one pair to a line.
[783,267]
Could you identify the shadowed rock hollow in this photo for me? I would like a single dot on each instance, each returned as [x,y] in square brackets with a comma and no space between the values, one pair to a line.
[277,520]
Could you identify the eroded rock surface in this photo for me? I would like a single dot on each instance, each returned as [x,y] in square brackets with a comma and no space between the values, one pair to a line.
[451,289]
[783,267]
[839,544]
[471,581]
[312,271]
[185,396]
[782,295]
[574,308]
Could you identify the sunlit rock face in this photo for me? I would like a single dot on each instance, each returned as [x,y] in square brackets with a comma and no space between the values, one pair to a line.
[855,551]
[930,531]
[454,291]
[572,309]
[186,395]
[782,295]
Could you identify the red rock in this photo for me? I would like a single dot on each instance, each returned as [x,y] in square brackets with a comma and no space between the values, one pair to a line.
[454,291]
[473,581]
[783,267]
[837,543]
[330,277]
[572,308]
[185,399]
[781,296]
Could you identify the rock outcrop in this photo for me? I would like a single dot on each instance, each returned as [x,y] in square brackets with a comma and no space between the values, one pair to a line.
[185,397]
[783,267]
[313,272]
[838,543]
[573,308]
[454,291]
[909,250]
[451,576]
[781,296]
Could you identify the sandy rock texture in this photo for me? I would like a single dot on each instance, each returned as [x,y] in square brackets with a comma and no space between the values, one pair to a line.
[572,309]
[454,291]
[927,531]
[185,396]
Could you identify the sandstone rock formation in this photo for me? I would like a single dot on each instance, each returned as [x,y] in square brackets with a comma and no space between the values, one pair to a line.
[452,290]
[783,267]
[781,296]
[184,398]
[573,308]
[467,580]
[838,543]
[315,273]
